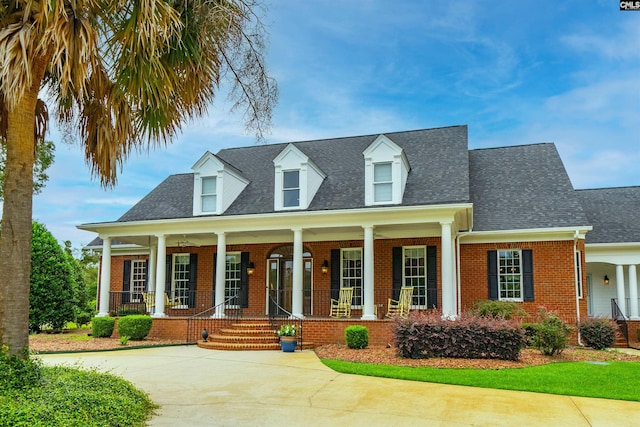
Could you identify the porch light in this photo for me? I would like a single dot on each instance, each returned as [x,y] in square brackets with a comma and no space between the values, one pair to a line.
[325,267]
[251,269]
[606,279]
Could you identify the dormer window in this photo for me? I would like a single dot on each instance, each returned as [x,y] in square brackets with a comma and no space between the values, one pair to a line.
[386,169]
[291,189]
[297,179]
[208,196]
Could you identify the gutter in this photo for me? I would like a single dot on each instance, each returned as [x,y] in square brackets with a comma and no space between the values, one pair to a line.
[576,235]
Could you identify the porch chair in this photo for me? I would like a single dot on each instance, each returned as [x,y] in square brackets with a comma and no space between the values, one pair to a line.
[341,307]
[174,302]
[402,305]
[149,300]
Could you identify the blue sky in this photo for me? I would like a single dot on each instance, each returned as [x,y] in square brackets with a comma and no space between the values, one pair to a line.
[515,72]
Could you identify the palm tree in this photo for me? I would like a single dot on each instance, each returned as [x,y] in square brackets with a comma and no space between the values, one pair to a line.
[122,74]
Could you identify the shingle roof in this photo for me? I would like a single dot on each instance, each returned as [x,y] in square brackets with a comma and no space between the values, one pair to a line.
[522,187]
[614,214]
[439,174]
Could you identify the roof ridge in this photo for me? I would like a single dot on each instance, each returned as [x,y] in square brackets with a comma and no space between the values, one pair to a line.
[608,188]
[513,146]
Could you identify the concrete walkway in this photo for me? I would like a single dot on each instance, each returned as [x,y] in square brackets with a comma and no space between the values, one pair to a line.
[198,387]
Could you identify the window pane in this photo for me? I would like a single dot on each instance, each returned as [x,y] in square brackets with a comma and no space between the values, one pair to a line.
[208,203]
[232,276]
[181,277]
[382,192]
[352,273]
[509,274]
[290,179]
[415,274]
[209,185]
[291,198]
[382,172]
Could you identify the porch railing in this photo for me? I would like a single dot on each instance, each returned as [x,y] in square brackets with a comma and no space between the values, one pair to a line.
[279,316]
[620,319]
[206,319]
[190,303]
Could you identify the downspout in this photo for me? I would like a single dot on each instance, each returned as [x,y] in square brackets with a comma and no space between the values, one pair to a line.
[575,282]
[458,279]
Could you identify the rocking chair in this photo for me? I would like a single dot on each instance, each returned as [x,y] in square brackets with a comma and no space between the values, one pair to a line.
[341,307]
[402,305]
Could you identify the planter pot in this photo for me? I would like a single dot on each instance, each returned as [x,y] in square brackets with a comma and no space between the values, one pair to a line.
[288,344]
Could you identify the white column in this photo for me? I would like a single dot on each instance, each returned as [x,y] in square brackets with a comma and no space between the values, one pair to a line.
[105,277]
[633,292]
[367,279]
[620,289]
[153,261]
[298,268]
[160,276]
[448,282]
[221,264]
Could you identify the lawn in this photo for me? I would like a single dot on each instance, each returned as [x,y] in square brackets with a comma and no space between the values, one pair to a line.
[609,380]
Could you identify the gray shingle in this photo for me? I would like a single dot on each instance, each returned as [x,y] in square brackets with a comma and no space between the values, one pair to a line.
[522,187]
[173,198]
[614,214]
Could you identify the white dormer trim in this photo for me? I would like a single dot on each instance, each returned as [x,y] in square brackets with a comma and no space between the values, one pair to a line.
[381,151]
[309,174]
[229,183]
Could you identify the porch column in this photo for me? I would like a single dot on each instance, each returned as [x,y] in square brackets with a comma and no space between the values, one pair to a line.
[221,264]
[105,277]
[160,276]
[448,282]
[151,268]
[633,292]
[298,268]
[367,280]
[620,289]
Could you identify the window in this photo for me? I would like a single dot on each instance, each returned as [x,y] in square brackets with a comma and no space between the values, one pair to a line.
[382,182]
[180,279]
[415,273]
[579,273]
[138,279]
[351,273]
[208,195]
[510,275]
[232,276]
[291,189]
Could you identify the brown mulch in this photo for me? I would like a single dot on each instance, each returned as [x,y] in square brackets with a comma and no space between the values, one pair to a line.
[528,357]
[79,340]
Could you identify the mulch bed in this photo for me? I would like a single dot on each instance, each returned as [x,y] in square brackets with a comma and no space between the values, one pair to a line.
[78,340]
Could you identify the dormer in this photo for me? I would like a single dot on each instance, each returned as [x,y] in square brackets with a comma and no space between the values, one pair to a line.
[216,185]
[297,179]
[385,172]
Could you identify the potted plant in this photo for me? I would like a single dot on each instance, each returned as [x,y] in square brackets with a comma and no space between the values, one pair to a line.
[288,338]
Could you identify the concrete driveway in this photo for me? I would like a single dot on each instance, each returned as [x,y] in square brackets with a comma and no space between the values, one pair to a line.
[198,387]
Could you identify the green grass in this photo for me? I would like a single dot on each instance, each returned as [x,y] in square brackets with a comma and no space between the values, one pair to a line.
[613,380]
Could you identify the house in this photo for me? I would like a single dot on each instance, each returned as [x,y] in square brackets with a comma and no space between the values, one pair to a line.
[282,227]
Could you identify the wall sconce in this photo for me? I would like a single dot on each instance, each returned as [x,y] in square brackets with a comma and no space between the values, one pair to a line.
[325,267]
[251,269]
[606,279]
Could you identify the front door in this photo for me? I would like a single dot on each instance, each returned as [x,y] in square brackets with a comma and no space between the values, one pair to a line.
[280,285]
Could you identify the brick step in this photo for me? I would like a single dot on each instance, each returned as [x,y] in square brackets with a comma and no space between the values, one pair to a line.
[243,338]
[252,325]
[227,331]
[247,346]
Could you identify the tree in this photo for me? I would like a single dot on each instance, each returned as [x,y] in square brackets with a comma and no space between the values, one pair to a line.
[85,272]
[52,299]
[124,75]
[44,159]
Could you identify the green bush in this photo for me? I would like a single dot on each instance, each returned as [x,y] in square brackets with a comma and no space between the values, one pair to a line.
[356,336]
[598,333]
[136,327]
[496,309]
[102,327]
[83,318]
[551,334]
[18,372]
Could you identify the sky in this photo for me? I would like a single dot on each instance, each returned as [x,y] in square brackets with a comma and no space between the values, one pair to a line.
[515,72]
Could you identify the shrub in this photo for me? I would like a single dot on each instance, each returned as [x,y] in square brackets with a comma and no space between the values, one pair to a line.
[428,335]
[83,318]
[551,334]
[495,309]
[136,327]
[598,333]
[356,336]
[18,372]
[102,327]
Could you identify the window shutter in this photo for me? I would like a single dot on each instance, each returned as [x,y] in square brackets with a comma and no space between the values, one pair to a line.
[335,273]
[243,297]
[527,274]
[492,268]
[432,277]
[126,281]
[396,271]
[146,275]
[213,290]
[167,277]
[193,278]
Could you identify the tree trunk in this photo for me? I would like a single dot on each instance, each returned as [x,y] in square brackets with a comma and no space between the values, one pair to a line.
[15,238]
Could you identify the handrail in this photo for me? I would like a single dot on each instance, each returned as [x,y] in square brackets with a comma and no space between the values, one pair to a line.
[620,318]
[279,316]
[205,319]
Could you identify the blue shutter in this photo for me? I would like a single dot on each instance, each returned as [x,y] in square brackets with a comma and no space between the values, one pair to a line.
[243,297]
[432,277]
[193,278]
[335,273]
[527,274]
[126,281]
[492,268]
[396,271]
